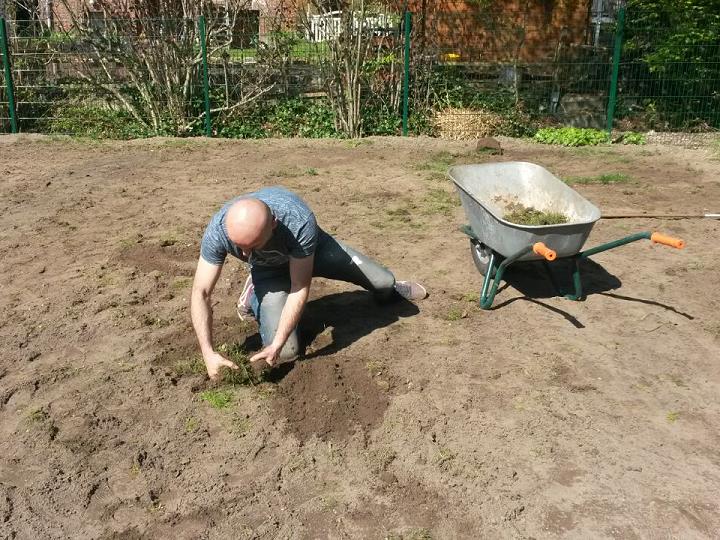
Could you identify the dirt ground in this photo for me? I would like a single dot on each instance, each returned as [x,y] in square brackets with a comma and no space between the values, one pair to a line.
[541,418]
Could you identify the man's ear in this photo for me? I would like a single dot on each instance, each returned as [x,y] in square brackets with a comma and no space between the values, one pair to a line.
[274,222]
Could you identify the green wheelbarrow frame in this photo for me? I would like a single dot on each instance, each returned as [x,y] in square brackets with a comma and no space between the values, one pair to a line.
[495,271]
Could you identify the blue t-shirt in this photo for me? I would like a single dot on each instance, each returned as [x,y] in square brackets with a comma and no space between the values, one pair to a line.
[295,235]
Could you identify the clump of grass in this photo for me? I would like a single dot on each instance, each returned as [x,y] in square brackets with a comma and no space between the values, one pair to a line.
[354,143]
[444,455]
[217,399]
[311,171]
[240,424]
[375,366]
[168,239]
[455,313]
[607,178]
[191,424]
[413,534]
[41,421]
[437,163]
[189,366]
[400,214]
[439,201]
[672,416]
[38,415]
[181,283]
[245,376]
[523,215]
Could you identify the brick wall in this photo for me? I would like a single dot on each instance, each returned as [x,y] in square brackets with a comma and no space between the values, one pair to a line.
[493,34]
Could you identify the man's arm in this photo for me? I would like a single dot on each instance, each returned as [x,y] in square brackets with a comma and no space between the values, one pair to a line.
[206,276]
[300,279]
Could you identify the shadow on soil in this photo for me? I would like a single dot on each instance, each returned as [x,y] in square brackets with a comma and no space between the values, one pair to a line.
[532,280]
[333,322]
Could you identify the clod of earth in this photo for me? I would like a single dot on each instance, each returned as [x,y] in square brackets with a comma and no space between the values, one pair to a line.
[527,215]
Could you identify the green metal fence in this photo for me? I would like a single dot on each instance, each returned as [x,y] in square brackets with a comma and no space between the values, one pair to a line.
[444,74]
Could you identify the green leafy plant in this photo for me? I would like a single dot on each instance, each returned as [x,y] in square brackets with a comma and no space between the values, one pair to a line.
[632,137]
[570,136]
[96,122]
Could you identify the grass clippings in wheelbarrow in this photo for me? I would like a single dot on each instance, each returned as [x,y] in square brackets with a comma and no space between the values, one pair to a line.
[527,215]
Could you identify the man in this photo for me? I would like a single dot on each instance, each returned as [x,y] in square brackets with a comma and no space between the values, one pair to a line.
[276,233]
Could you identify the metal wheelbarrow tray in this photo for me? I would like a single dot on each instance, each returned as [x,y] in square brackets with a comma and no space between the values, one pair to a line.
[486,191]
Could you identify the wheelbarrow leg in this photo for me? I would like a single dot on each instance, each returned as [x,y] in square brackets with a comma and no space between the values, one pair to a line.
[489,274]
[577,280]
[489,291]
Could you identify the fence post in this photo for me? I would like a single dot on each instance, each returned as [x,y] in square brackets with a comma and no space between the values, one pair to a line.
[406,76]
[12,113]
[206,81]
[615,69]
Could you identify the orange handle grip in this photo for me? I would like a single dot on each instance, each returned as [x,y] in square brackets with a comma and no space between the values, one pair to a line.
[541,249]
[667,240]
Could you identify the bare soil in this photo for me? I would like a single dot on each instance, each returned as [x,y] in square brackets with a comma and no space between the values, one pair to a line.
[540,418]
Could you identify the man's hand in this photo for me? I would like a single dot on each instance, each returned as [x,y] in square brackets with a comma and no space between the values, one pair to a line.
[213,363]
[269,354]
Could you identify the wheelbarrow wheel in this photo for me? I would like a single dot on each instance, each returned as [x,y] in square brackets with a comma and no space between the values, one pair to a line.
[481,256]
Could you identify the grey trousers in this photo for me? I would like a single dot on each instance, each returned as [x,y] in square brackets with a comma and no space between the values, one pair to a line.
[333,260]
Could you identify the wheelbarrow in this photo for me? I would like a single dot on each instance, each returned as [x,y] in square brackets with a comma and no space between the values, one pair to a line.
[487,190]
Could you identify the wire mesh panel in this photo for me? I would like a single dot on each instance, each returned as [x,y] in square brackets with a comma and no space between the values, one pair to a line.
[669,89]
[481,68]
[136,75]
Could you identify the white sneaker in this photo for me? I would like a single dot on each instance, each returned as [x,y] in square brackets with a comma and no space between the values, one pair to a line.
[410,290]
[244,306]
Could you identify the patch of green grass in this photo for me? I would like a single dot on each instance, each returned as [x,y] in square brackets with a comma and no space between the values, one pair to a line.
[672,416]
[400,214]
[472,297]
[606,178]
[455,313]
[177,142]
[412,534]
[310,171]
[375,366]
[240,424]
[217,399]
[715,148]
[168,239]
[181,283]
[191,424]
[444,455]
[41,422]
[38,415]
[354,143]
[127,243]
[439,201]
[150,320]
[438,163]
[265,391]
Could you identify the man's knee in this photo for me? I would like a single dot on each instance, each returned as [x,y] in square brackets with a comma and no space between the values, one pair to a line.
[291,350]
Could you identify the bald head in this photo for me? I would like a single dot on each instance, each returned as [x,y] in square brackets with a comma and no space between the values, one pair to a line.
[249,223]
